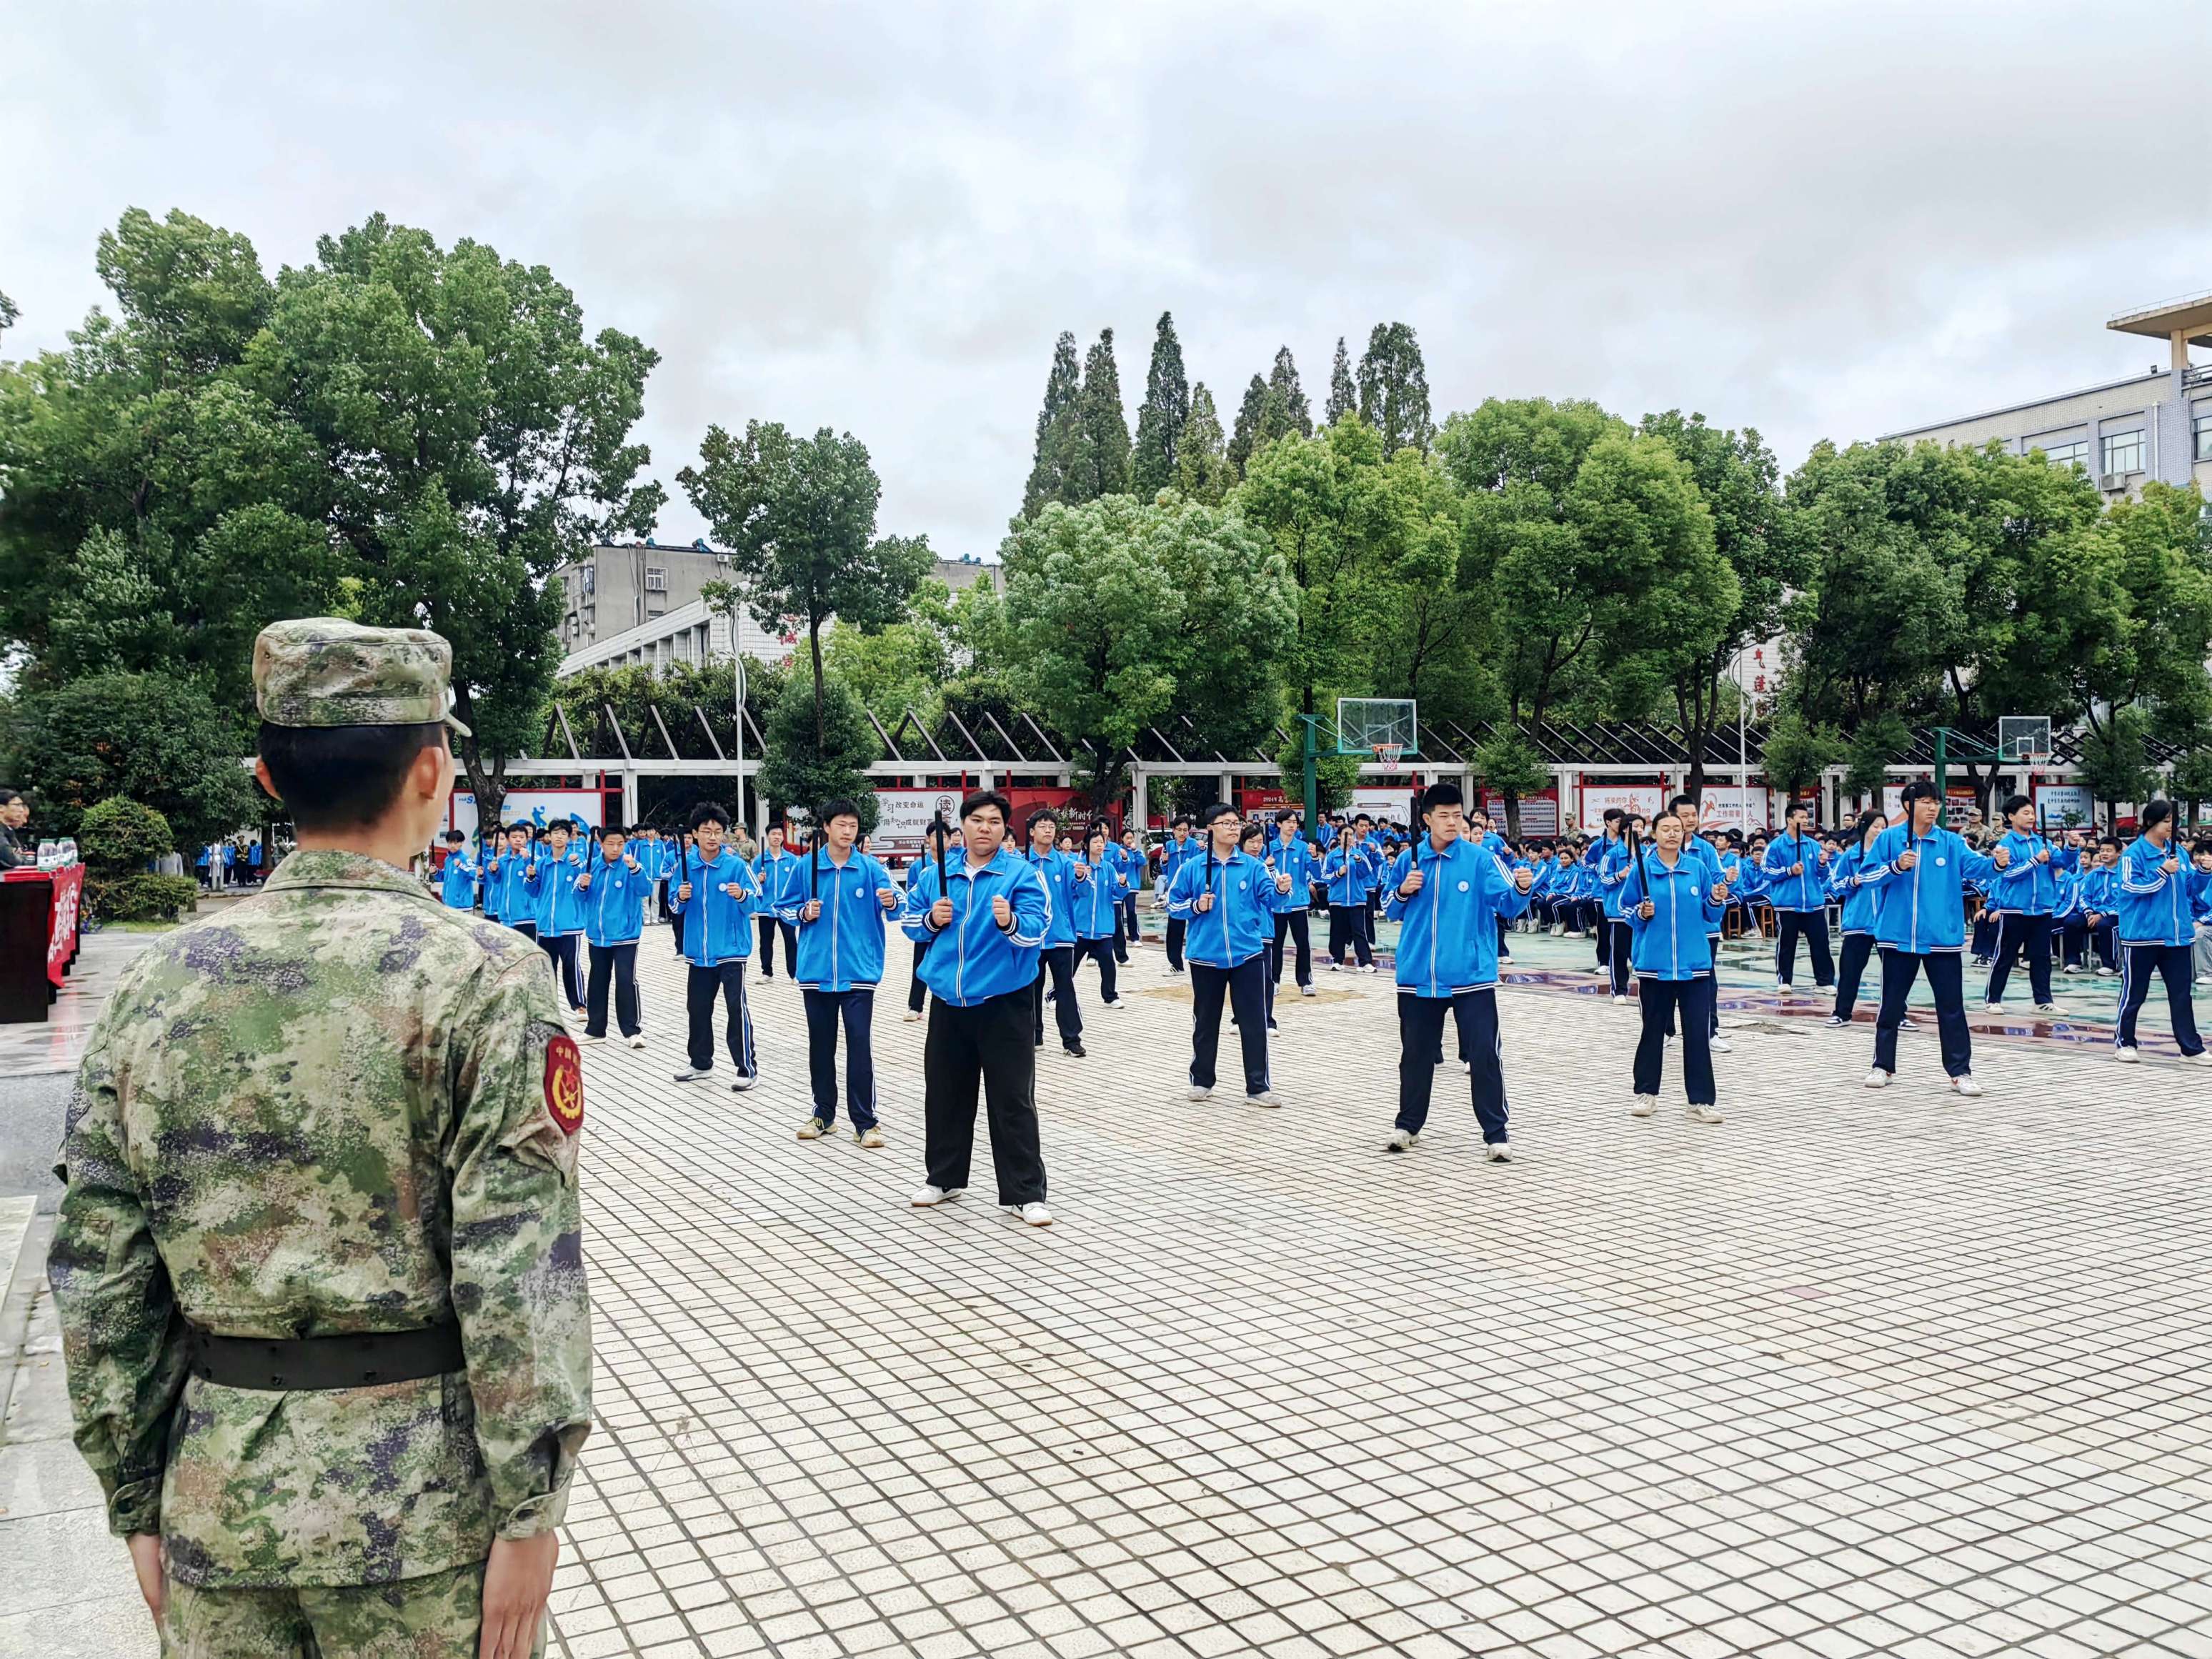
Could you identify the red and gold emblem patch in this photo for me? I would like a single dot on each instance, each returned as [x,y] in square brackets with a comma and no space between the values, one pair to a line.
[564,1083]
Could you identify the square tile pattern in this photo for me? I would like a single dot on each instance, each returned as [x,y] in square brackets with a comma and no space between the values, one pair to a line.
[1850,1373]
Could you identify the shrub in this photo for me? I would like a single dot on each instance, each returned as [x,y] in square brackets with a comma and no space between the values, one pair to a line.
[150,737]
[119,836]
[139,896]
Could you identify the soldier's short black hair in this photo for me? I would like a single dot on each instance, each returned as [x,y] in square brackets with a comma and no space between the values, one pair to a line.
[343,777]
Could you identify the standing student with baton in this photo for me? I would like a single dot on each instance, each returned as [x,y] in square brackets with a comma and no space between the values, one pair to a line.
[716,898]
[1224,899]
[1673,902]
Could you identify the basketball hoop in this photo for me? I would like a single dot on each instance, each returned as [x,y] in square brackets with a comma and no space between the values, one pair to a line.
[1389,754]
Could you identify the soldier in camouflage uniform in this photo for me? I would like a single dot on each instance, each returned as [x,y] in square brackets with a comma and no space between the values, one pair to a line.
[319,1264]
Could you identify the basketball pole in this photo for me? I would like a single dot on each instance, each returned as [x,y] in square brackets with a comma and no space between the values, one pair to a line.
[1307,724]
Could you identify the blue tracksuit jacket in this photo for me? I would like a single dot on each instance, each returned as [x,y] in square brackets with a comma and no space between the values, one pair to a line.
[841,949]
[614,902]
[558,907]
[1806,891]
[1173,856]
[1855,884]
[1095,897]
[1057,871]
[1242,918]
[517,894]
[1677,942]
[2025,886]
[972,959]
[457,881]
[1923,909]
[717,927]
[2155,905]
[1448,932]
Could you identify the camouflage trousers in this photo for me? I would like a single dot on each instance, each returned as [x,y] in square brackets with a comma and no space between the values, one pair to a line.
[437,1616]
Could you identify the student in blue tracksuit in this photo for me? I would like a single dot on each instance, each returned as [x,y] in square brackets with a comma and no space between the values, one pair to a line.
[1854,883]
[1922,928]
[1683,810]
[1056,951]
[1345,869]
[778,865]
[1612,874]
[2024,897]
[984,935]
[1102,881]
[491,848]
[1290,855]
[517,897]
[835,900]
[1128,857]
[1594,857]
[2157,925]
[1797,871]
[2089,918]
[1225,899]
[1448,895]
[1181,848]
[559,910]
[716,894]
[1673,900]
[457,877]
[613,893]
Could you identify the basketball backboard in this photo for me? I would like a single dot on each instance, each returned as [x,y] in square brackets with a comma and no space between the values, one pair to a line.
[2023,738]
[1366,724]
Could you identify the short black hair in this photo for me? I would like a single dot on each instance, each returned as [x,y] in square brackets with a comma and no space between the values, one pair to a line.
[1918,789]
[983,797]
[342,777]
[1679,803]
[1181,818]
[2013,803]
[2108,840]
[1362,818]
[1256,828]
[1285,814]
[613,830]
[1042,815]
[453,837]
[1441,794]
[707,812]
[1220,809]
[842,808]
[2155,813]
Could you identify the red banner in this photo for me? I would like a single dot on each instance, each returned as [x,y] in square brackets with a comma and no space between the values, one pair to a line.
[61,926]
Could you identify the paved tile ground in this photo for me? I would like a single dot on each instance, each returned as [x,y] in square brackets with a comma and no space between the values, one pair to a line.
[1848,1374]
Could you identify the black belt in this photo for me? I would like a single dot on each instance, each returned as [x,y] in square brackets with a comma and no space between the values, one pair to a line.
[317,1363]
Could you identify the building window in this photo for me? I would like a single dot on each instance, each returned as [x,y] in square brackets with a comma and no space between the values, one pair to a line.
[2123,451]
[2073,452]
[2201,426]
[656,581]
[588,578]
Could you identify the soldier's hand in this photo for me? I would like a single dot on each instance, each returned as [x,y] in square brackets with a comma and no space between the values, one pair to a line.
[812,912]
[517,1580]
[146,1562]
[1002,913]
[940,913]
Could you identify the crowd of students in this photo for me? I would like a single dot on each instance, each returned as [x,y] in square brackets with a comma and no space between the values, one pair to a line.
[1003,918]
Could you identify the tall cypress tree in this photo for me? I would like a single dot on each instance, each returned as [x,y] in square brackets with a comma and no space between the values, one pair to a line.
[1393,389]
[1160,421]
[1105,422]
[1296,414]
[1250,414]
[1202,469]
[1048,477]
[1343,397]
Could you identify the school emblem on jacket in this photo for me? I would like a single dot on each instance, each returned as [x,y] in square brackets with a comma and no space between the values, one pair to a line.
[1462,887]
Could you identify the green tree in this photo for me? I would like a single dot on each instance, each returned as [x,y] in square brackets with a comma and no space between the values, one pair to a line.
[1343,395]
[1796,754]
[820,746]
[799,518]
[156,738]
[1429,619]
[1105,422]
[901,666]
[1735,476]
[1878,745]
[1251,419]
[2153,561]
[1286,409]
[1239,608]
[1156,463]
[9,314]
[1059,431]
[1393,389]
[1509,763]
[1093,618]
[2115,760]
[1203,470]
[2192,781]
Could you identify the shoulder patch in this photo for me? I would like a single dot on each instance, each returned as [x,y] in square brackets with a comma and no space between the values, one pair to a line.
[564,1083]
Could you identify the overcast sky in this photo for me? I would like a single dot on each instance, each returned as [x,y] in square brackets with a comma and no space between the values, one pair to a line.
[1832,220]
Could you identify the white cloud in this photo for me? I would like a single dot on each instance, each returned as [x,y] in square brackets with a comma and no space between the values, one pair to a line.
[1819,220]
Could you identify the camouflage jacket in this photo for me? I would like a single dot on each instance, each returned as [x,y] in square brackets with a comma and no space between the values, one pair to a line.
[339,1107]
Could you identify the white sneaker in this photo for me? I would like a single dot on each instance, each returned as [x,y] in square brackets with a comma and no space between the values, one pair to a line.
[637,1041]
[927,1196]
[1993,1007]
[1033,1212]
[1331,963]
[1704,1115]
[2104,972]
[1877,1078]
[1643,1106]
[1401,1140]
[1497,1151]
[812,1129]
[1111,1002]
[2071,968]
[1265,1097]
[700,1075]
[1369,968]
[1783,987]
[911,1016]
[1305,990]
[2127,1053]
[1966,1086]
[586,1036]
[1197,1093]
[2048,1008]
[1721,1045]
[1466,1067]
[1619,1000]
[739,1085]
[1836,1021]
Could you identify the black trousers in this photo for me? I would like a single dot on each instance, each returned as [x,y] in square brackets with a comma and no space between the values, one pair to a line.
[2016,934]
[1100,950]
[1857,947]
[1245,989]
[676,929]
[618,963]
[1618,954]
[987,1043]
[769,927]
[1660,1000]
[856,1008]
[916,992]
[1293,924]
[527,929]
[1056,961]
[1420,1050]
[1347,931]
[2139,965]
[561,950]
[1125,925]
[727,980]
[1175,928]
[1604,931]
[2077,939]
[1814,925]
[1899,969]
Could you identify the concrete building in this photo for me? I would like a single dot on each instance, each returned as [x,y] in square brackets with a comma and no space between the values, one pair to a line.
[641,603]
[2154,425]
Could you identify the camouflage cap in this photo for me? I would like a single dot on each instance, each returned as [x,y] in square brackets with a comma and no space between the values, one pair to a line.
[323,671]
